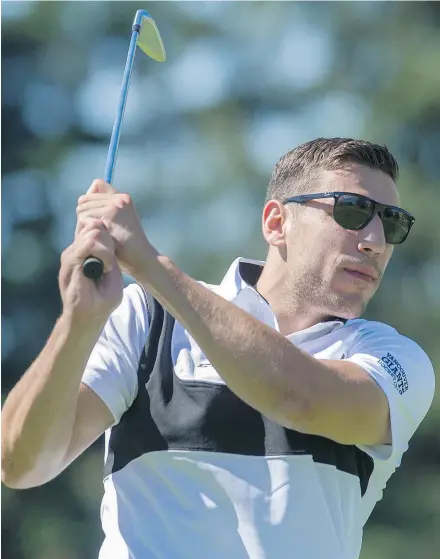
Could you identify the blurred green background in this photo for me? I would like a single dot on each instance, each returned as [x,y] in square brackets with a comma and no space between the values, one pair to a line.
[244,82]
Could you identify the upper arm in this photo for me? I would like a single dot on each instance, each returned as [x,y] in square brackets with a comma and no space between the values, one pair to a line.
[92,419]
[405,375]
[352,409]
[378,395]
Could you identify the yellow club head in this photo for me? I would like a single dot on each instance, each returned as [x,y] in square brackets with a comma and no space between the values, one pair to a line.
[149,39]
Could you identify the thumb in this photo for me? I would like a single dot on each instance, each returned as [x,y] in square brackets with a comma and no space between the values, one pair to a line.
[101,187]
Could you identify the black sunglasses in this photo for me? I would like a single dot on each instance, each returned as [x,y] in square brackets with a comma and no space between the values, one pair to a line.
[355,211]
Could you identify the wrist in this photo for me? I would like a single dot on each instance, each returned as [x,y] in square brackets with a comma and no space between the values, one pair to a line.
[81,328]
[151,273]
[159,278]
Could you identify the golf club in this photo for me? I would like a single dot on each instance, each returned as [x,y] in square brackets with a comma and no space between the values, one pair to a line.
[146,36]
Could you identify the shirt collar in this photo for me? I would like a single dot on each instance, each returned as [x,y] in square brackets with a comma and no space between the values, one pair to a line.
[235,289]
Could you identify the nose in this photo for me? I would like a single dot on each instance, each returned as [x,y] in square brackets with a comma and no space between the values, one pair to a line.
[372,238]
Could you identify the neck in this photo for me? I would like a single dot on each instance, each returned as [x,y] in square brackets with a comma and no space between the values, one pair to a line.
[292,310]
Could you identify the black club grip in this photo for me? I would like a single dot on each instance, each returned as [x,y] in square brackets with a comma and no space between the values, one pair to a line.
[93,268]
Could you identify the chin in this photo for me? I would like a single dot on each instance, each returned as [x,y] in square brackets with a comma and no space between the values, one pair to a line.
[348,307]
[352,314]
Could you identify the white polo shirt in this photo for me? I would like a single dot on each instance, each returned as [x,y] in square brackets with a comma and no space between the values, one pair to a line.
[191,471]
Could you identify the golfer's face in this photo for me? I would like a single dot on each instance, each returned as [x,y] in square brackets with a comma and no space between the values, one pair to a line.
[344,267]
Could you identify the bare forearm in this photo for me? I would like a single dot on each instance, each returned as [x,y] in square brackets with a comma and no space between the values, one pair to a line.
[254,360]
[39,413]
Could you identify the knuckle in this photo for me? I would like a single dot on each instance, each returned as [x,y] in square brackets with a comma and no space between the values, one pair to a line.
[95,186]
[124,199]
[65,254]
[97,182]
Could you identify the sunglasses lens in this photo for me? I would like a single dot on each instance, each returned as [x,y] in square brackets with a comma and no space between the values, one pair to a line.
[396,225]
[352,212]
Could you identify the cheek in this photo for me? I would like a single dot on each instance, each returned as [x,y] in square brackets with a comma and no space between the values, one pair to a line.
[319,237]
[313,253]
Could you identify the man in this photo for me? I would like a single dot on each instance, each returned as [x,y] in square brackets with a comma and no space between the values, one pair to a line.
[258,418]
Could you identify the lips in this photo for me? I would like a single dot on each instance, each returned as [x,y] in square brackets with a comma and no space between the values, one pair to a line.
[362,272]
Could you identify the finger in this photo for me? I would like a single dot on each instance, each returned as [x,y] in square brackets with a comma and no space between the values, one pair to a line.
[96,214]
[85,208]
[99,229]
[85,224]
[102,187]
[94,203]
[93,243]
[93,196]
[96,229]
[117,198]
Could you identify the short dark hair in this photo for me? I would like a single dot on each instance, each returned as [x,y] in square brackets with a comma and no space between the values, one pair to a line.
[298,168]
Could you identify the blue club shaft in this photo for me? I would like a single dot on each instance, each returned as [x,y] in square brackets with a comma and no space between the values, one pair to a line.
[116,132]
[93,268]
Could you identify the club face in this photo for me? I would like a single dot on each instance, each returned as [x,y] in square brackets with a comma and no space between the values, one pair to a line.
[149,39]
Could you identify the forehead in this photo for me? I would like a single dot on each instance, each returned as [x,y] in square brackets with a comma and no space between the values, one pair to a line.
[354,177]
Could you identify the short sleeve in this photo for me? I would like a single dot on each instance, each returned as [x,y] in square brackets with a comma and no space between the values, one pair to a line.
[111,371]
[404,372]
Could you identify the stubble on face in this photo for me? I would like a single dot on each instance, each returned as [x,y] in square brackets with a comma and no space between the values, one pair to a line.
[318,247]
[312,272]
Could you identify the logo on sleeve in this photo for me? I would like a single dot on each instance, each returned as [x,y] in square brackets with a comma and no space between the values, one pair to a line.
[395,370]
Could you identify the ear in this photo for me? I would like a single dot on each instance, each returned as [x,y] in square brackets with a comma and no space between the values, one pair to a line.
[274,223]
[101,187]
